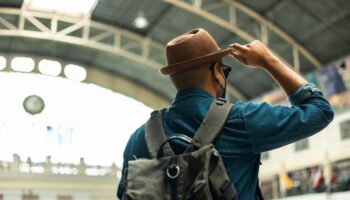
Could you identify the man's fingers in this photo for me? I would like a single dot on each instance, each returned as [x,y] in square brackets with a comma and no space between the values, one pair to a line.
[239,57]
[239,47]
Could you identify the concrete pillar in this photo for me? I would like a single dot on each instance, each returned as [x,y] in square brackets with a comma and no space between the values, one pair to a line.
[47,165]
[327,170]
[81,167]
[113,170]
[30,163]
[8,63]
[275,188]
[36,64]
[15,163]
[282,172]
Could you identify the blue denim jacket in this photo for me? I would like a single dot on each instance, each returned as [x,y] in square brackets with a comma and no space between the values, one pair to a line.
[250,129]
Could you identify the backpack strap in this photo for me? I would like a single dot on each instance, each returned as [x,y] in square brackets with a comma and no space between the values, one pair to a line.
[212,122]
[258,192]
[155,136]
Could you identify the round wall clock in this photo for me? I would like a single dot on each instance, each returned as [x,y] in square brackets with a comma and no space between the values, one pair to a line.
[33,104]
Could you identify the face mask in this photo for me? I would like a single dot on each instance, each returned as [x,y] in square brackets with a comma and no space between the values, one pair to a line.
[223,95]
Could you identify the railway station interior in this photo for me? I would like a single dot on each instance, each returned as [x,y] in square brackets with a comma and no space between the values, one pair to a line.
[78,77]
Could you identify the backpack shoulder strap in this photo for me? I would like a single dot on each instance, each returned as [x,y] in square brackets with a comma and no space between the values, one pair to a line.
[212,122]
[258,192]
[155,136]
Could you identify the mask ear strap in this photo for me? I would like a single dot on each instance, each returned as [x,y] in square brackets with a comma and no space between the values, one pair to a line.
[223,87]
[224,91]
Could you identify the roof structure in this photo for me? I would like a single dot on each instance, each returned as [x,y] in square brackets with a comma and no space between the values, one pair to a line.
[305,34]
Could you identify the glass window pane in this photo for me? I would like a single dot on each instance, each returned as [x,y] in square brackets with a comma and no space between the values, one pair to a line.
[345,129]
[50,67]
[22,64]
[75,72]
[302,145]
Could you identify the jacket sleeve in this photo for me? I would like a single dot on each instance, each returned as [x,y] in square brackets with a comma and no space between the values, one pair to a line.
[270,127]
[135,148]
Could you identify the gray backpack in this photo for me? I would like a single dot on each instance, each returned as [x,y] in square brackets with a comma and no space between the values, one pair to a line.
[197,174]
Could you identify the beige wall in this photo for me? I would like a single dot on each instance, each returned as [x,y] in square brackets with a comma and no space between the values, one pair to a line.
[49,187]
[324,147]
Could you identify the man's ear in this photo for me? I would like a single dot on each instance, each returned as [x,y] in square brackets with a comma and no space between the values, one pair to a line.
[217,73]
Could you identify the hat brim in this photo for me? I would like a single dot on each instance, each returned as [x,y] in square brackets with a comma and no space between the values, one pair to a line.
[189,64]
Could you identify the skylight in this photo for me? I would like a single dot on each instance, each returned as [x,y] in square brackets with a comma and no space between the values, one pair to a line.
[76,7]
[50,67]
[75,72]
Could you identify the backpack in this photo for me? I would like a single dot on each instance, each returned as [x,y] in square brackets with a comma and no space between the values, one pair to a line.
[196,174]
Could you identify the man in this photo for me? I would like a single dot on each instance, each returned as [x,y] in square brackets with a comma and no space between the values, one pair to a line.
[195,68]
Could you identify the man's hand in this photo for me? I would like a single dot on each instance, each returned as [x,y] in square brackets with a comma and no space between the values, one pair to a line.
[254,54]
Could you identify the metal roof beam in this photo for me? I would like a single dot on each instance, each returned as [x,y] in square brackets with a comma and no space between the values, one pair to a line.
[278,31]
[86,39]
[230,25]
[36,23]
[101,36]
[7,24]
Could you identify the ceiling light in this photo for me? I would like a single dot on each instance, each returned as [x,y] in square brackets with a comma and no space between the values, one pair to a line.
[50,67]
[22,64]
[140,21]
[76,7]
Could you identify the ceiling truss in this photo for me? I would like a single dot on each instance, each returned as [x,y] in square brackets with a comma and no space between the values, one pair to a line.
[230,24]
[82,32]
[85,32]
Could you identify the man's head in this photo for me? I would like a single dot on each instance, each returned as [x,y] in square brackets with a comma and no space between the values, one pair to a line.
[195,60]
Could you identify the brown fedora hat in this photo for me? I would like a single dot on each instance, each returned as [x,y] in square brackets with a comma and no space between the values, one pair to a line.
[190,50]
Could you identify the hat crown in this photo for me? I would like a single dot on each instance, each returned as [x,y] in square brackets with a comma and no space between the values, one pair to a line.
[196,43]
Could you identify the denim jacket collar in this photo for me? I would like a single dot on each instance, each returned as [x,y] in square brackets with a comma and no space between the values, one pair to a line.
[191,93]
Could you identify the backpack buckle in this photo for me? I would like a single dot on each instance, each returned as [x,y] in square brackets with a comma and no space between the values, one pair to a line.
[221,101]
[173,171]
[154,113]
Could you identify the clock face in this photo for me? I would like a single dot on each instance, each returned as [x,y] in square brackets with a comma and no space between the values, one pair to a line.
[33,104]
